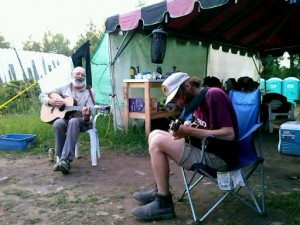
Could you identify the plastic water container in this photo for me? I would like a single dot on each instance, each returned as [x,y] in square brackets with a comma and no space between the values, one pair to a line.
[274,85]
[291,88]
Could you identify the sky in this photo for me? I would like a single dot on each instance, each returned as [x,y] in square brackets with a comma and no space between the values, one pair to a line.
[20,19]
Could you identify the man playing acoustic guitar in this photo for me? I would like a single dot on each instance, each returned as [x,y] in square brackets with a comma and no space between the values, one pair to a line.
[68,123]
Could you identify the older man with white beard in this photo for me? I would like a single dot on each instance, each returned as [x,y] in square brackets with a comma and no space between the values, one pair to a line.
[66,130]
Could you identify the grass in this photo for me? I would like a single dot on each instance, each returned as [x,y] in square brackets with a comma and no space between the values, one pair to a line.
[131,141]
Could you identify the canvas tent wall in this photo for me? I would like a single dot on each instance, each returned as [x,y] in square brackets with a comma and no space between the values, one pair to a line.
[99,68]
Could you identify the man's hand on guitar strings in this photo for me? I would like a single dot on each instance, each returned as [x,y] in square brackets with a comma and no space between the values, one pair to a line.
[56,102]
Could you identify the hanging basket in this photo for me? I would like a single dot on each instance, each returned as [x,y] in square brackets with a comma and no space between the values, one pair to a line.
[158,46]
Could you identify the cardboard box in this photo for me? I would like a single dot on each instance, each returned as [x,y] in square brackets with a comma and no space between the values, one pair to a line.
[136,105]
[289,138]
[16,141]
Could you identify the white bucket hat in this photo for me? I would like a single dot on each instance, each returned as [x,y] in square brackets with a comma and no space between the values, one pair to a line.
[171,85]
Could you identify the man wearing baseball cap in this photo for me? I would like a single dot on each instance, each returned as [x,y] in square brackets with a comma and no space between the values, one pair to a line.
[214,116]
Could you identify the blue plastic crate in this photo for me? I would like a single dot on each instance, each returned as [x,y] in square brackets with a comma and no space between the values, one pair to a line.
[16,141]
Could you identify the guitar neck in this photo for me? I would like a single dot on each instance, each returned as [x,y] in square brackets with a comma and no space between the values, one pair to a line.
[73,108]
[97,109]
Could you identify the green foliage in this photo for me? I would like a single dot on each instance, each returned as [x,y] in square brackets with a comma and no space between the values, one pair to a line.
[141,3]
[3,43]
[31,45]
[131,141]
[93,34]
[56,43]
[21,103]
[272,67]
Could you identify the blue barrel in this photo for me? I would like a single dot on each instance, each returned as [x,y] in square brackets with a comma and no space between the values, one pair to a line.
[291,88]
[274,85]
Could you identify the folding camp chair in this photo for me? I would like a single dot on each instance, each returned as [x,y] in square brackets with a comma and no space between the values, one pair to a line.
[250,158]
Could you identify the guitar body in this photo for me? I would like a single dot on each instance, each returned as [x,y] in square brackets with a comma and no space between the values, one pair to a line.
[49,113]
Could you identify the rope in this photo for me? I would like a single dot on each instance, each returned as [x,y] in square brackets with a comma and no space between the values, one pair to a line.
[20,93]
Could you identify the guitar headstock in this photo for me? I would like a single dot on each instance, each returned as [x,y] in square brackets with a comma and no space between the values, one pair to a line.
[101,109]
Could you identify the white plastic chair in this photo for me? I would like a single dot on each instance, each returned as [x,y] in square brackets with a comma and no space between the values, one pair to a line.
[272,116]
[94,143]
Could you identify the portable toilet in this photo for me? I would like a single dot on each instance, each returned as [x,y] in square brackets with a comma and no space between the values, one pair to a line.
[291,88]
[262,85]
[274,85]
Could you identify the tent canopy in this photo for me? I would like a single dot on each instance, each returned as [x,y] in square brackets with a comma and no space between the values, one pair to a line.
[267,27]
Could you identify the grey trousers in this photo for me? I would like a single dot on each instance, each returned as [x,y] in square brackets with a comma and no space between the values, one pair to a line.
[66,134]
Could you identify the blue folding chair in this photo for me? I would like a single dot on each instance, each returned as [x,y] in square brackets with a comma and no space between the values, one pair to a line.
[250,158]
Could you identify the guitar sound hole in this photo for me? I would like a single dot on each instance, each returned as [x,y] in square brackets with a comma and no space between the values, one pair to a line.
[62,108]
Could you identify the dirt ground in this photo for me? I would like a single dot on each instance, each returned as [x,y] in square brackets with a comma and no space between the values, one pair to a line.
[31,193]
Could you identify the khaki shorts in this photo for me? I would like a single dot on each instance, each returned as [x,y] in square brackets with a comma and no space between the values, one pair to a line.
[191,155]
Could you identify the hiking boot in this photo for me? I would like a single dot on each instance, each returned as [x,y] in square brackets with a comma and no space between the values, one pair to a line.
[161,208]
[56,166]
[65,166]
[145,197]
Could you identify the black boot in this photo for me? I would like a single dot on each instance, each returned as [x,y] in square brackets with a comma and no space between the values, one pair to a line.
[161,208]
[145,197]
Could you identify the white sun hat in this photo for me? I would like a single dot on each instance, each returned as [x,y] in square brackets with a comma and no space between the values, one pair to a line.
[171,85]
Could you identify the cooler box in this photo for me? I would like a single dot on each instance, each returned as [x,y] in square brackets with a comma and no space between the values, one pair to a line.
[289,138]
[15,141]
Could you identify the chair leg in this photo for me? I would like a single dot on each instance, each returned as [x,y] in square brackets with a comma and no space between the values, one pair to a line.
[270,126]
[93,142]
[76,151]
[187,190]
[97,145]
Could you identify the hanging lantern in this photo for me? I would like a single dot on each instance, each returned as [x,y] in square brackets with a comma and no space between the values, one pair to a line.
[158,46]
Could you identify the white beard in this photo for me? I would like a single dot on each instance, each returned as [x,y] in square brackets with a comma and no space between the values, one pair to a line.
[77,83]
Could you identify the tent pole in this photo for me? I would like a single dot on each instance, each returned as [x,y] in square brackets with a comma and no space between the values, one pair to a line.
[206,64]
[111,72]
[112,93]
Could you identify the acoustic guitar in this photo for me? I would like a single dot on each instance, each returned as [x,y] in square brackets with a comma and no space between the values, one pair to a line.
[49,113]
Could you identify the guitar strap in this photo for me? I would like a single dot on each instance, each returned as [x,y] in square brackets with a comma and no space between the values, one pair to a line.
[91,94]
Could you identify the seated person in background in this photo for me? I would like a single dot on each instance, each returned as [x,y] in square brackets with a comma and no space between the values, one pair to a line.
[212,82]
[66,130]
[215,116]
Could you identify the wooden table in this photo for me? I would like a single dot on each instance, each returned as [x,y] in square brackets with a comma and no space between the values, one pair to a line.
[148,115]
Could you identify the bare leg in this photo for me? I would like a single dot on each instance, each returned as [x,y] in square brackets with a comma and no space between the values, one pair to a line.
[161,146]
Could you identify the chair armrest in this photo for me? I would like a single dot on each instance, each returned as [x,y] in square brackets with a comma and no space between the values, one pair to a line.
[100,110]
[95,119]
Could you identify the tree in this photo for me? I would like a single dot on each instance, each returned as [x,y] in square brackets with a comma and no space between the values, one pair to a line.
[93,34]
[294,70]
[3,43]
[272,67]
[31,45]
[56,44]
[141,3]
